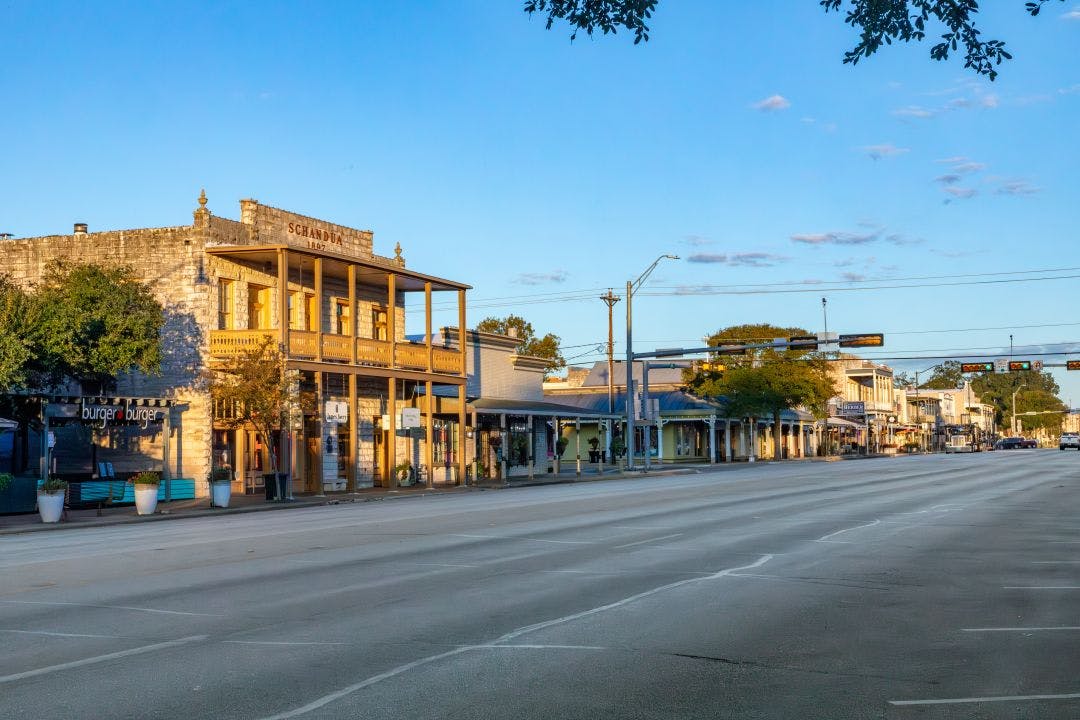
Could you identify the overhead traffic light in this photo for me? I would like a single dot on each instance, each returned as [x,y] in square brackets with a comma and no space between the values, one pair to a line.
[977,367]
[862,340]
[805,342]
[1019,365]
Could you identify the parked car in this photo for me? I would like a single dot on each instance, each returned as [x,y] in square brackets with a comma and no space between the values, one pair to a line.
[1069,440]
[1029,443]
[1009,443]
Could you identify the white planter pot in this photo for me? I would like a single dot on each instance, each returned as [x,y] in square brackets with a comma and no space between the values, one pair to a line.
[146,499]
[50,507]
[221,492]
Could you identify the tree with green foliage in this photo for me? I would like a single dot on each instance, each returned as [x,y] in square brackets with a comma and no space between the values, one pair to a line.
[946,376]
[1038,392]
[93,323]
[16,334]
[253,389]
[879,22]
[767,381]
[546,347]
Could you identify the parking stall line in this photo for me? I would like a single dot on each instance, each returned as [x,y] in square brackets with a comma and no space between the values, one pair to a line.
[102,658]
[988,699]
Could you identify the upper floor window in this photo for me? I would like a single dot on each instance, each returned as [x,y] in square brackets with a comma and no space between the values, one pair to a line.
[258,307]
[342,326]
[312,312]
[226,298]
[378,323]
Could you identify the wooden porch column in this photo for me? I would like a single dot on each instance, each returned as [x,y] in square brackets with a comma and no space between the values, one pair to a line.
[556,459]
[283,300]
[354,435]
[318,314]
[461,461]
[532,443]
[427,328]
[712,439]
[320,445]
[391,317]
[461,331]
[391,432]
[166,431]
[354,318]
[504,447]
[577,444]
[727,441]
[429,427]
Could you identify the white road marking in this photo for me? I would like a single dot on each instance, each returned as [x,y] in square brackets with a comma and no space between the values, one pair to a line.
[574,572]
[1055,562]
[110,607]
[823,538]
[998,698]
[1040,587]
[539,647]
[449,565]
[394,672]
[1021,629]
[511,537]
[270,642]
[643,527]
[642,542]
[102,658]
[60,634]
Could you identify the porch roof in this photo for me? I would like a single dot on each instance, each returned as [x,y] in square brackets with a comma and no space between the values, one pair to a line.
[534,407]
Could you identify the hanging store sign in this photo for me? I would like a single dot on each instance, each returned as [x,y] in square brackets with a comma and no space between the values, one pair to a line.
[336,411]
[410,418]
[853,408]
[122,413]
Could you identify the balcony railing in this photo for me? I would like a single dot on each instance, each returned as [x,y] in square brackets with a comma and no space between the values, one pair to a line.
[303,344]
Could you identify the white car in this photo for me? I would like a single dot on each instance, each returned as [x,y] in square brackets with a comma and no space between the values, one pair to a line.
[1069,440]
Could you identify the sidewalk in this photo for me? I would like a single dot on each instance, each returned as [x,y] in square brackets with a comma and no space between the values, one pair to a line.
[200,507]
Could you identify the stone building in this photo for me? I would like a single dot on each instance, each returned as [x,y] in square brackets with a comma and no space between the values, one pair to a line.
[336,310]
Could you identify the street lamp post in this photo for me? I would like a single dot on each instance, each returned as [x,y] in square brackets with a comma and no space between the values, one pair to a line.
[631,288]
[1014,406]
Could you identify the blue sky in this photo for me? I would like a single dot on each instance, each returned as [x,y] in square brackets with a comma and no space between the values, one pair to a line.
[543,172]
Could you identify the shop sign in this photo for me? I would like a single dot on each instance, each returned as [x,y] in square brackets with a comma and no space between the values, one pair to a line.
[410,418]
[337,411]
[123,413]
[853,408]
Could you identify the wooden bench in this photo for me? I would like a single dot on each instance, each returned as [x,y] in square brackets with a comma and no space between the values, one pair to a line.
[105,489]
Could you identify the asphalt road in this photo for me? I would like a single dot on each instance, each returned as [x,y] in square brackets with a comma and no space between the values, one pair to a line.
[911,587]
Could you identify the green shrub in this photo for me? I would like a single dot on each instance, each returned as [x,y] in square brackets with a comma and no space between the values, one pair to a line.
[5,480]
[147,477]
[53,486]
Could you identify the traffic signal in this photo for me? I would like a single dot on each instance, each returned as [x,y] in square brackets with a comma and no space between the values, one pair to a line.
[1072,364]
[713,367]
[1019,365]
[977,367]
[862,340]
[805,342]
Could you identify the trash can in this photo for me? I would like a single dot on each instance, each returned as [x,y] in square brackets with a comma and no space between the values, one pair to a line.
[276,486]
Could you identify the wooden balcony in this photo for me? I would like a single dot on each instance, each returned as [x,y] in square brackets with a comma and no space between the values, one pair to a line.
[304,345]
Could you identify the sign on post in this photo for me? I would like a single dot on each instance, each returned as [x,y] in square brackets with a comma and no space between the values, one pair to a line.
[853,408]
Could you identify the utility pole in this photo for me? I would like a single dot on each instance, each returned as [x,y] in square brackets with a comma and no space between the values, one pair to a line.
[610,299]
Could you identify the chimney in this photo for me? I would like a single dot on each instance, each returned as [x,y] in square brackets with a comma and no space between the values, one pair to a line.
[80,228]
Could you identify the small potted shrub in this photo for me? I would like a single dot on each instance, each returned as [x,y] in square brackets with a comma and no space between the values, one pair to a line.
[403,473]
[146,491]
[220,486]
[594,450]
[50,499]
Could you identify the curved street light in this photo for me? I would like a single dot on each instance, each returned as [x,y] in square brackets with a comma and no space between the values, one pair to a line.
[631,288]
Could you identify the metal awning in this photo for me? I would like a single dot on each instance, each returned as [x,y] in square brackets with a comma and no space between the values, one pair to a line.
[841,422]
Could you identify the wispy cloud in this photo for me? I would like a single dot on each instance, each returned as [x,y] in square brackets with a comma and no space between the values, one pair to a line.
[748,259]
[1073,14]
[1072,90]
[914,111]
[948,179]
[903,240]
[877,152]
[852,277]
[836,238]
[960,193]
[558,276]
[960,164]
[1017,187]
[696,240]
[773,103]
